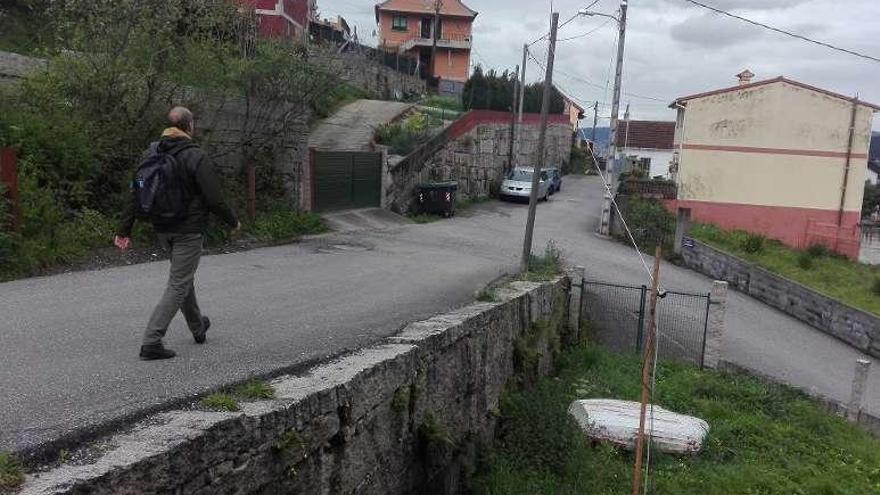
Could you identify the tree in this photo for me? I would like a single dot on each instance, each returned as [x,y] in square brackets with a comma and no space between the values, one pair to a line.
[491,91]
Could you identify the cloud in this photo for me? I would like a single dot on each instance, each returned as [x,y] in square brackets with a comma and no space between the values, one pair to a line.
[672,47]
[713,31]
[754,4]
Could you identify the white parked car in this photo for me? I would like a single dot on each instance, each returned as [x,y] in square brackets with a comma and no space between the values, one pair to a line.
[518,184]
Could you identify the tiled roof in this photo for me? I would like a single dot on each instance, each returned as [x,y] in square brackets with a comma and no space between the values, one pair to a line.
[648,134]
[449,7]
[780,79]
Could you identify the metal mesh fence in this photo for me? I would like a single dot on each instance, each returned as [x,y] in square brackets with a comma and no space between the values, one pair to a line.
[617,317]
[681,326]
[615,313]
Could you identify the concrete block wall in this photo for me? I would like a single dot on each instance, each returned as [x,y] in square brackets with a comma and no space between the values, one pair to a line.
[853,326]
[403,416]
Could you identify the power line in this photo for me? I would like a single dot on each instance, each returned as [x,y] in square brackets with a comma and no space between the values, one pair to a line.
[545,35]
[588,32]
[597,85]
[786,33]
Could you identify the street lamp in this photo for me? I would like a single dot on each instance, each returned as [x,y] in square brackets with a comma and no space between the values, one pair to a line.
[590,13]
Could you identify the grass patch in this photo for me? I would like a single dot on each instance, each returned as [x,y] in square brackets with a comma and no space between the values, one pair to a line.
[764,439]
[219,402]
[336,97]
[425,218]
[837,277]
[544,266]
[444,102]
[11,474]
[282,223]
[465,204]
[255,390]
[487,294]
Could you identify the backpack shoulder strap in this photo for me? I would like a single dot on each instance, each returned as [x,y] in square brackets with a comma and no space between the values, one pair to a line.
[152,149]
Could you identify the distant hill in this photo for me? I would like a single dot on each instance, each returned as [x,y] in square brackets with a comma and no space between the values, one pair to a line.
[602,136]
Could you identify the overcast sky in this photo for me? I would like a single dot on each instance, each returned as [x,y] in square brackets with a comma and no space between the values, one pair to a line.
[672,48]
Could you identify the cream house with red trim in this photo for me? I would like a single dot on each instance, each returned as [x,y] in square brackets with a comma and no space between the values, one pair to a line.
[777,158]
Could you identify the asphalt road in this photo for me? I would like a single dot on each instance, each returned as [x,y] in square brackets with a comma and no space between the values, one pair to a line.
[69,343]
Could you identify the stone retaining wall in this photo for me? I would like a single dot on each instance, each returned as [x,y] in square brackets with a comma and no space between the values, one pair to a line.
[853,326]
[359,70]
[404,416]
[475,152]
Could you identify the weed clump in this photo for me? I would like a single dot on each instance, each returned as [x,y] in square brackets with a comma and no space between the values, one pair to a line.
[546,266]
[752,243]
[219,402]
[255,390]
[11,474]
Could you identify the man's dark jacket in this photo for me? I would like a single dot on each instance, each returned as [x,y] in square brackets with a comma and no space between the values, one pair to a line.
[202,185]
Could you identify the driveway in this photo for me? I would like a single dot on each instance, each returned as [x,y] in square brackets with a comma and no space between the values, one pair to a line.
[351,128]
[69,343]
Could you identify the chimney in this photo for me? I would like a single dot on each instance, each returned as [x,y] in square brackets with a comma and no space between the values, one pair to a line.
[745,77]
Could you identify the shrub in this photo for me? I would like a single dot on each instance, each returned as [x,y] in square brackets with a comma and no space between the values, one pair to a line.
[404,136]
[328,102]
[650,224]
[818,250]
[579,162]
[752,243]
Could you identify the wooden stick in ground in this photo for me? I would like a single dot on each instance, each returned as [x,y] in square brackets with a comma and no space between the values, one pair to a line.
[647,363]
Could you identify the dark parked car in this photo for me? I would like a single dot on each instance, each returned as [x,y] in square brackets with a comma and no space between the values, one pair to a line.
[555,178]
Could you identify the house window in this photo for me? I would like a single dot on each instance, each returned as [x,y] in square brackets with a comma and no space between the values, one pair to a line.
[398,23]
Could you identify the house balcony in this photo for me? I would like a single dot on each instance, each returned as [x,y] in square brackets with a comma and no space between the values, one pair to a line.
[449,41]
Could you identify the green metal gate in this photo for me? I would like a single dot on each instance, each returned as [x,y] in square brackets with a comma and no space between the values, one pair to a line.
[345,180]
[617,317]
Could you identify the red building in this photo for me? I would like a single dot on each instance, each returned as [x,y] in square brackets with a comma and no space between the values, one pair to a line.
[286,19]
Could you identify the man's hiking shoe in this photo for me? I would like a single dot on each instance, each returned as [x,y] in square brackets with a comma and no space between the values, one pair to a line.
[201,335]
[156,351]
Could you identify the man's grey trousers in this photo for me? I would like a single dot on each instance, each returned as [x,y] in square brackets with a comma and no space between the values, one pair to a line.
[180,294]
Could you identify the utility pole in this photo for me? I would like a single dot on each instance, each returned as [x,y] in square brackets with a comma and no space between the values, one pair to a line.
[516,86]
[542,137]
[647,366]
[522,93]
[610,165]
[436,27]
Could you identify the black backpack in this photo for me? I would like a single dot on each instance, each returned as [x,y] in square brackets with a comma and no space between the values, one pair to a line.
[160,192]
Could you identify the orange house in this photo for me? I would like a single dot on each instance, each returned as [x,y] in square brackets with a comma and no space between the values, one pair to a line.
[407,27]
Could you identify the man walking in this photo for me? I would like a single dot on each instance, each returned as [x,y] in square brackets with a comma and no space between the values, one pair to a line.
[176,188]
